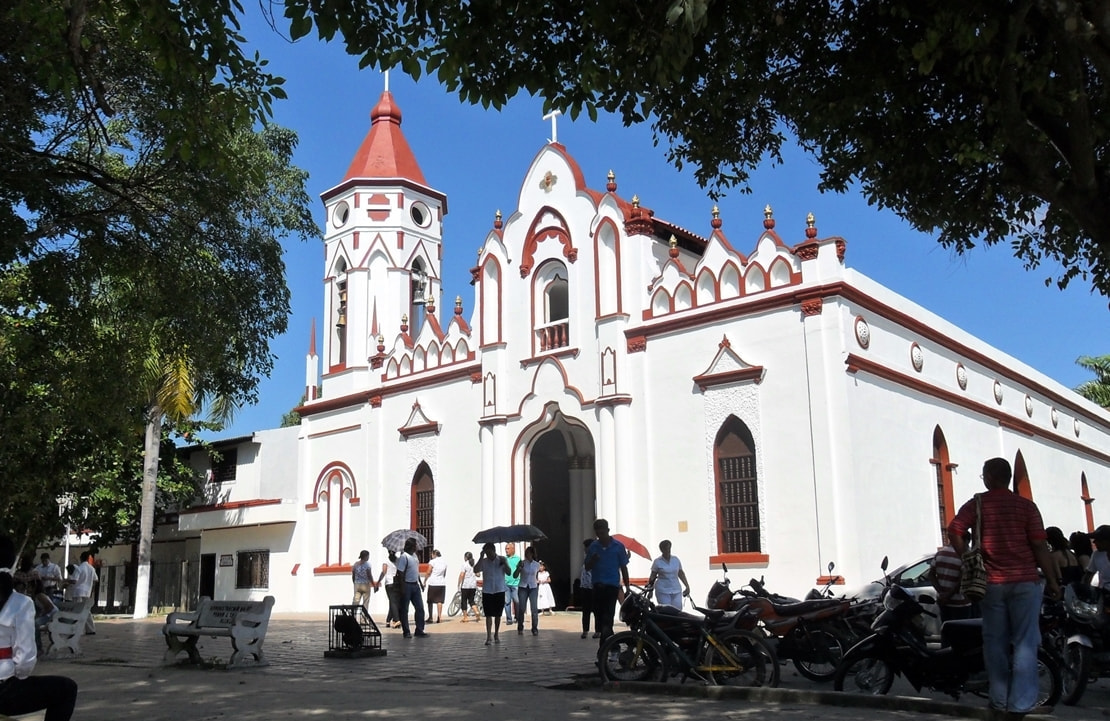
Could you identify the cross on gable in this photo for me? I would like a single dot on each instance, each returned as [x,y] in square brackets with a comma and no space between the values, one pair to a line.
[553,116]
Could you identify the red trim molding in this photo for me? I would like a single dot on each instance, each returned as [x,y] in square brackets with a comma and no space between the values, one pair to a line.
[336,570]
[561,353]
[743,560]
[411,431]
[233,505]
[753,374]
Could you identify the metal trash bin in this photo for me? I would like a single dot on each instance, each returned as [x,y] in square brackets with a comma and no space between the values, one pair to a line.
[352,633]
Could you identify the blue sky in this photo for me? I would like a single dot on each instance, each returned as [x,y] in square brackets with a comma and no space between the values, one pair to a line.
[478,159]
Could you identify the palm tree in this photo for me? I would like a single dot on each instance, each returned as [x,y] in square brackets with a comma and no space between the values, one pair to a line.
[1097,390]
[173,394]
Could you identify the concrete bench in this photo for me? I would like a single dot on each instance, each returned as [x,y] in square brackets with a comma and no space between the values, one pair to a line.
[68,626]
[244,622]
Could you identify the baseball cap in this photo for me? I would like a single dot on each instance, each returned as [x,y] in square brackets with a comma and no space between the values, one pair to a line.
[1102,533]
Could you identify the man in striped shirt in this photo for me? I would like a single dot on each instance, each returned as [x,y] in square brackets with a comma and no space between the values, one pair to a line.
[1014,546]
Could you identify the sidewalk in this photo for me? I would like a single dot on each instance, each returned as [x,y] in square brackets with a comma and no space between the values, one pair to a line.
[451,674]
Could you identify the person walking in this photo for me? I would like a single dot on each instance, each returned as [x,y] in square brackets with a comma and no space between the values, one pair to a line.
[586,593]
[362,576]
[83,585]
[392,591]
[607,562]
[1012,539]
[528,590]
[20,692]
[494,570]
[468,588]
[408,565]
[511,583]
[666,573]
[546,599]
[437,583]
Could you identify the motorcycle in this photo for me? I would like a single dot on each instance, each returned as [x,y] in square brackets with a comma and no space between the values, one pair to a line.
[1079,636]
[897,646]
[810,633]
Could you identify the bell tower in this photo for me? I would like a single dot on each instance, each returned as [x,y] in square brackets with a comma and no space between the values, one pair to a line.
[383,249]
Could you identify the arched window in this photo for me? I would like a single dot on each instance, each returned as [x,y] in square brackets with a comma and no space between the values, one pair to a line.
[423,508]
[418,289]
[335,489]
[551,307]
[737,488]
[1088,503]
[339,303]
[558,307]
[1021,478]
[943,469]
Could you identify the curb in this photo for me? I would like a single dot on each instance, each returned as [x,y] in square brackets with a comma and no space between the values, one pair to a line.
[791,696]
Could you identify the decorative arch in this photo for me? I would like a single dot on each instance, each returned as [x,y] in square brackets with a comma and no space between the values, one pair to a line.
[607,263]
[942,468]
[335,483]
[1021,477]
[490,299]
[707,287]
[538,233]
[660,303]
[780,273]
[730,286]
[337,345]
[737,489]
[755,279]
[683,297]
[423,504]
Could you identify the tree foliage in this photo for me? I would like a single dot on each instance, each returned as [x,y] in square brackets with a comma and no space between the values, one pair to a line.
[1097,390]
[141,218]
[983,123]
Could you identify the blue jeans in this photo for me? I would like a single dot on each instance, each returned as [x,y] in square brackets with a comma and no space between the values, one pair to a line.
[524,596]
[412,594]
[510,602]
[1011,620]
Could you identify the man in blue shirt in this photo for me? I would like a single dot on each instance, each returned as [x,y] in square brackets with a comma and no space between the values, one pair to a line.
[607,562]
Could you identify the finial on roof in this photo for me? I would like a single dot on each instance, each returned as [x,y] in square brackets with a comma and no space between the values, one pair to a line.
[635,201]
[611,186]
[430,303]
[404,322]
[381,343]
[458,305]
[716,222]
[673,252]
[768,217]
[496,221]
[811,229]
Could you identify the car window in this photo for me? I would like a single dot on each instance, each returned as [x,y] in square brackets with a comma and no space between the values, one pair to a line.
[917,575]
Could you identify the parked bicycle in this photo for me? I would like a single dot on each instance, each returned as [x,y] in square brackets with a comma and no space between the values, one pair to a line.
[663,642]
[455,606]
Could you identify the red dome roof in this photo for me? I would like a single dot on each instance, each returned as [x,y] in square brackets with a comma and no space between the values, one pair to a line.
[385,153]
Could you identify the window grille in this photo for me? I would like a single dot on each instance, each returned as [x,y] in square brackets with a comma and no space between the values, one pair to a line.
[253,569]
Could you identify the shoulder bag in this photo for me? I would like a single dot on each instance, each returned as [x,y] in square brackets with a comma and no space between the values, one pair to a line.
[973,574]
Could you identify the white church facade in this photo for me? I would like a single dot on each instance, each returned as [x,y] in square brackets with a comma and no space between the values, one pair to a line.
[750,397]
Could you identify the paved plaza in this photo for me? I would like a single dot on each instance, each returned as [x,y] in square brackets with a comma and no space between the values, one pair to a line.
[450,675]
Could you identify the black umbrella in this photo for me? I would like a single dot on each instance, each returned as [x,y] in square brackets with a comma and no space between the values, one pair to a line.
[395,540]
[506,534]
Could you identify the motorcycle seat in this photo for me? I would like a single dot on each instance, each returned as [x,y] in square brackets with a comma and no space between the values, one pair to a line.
[962,633]
[806,607]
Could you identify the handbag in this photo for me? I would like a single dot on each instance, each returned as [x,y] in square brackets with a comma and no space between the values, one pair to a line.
[973,573]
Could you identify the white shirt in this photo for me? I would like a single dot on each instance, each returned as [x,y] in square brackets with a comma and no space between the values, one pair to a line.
[666,574]
[17,632]
[469,580]
[50,574]
[86,577]
[1100,564]
[390,572]
[437,571]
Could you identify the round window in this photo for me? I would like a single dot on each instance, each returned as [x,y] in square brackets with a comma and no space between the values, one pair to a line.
[420,214]
[341,214]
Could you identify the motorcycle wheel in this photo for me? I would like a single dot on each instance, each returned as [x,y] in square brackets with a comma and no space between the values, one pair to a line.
[1050,680]
[1075,667]
[454,606]
[629,656]
[868,672]
[825,650]
[758,665]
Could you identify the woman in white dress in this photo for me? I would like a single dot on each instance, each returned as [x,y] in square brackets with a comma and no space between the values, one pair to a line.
[546,600]
[666,572]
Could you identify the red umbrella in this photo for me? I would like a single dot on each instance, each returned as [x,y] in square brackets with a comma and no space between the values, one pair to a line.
[633,545]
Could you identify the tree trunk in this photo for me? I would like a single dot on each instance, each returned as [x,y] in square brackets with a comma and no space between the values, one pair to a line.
[151,450]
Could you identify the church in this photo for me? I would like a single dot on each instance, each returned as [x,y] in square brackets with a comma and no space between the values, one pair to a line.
[748,396]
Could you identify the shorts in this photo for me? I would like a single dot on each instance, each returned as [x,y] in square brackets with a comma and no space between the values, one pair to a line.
[436,594]
[467,597]
[493,604]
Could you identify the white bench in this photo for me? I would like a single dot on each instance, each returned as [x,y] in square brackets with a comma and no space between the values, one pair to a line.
[68,626]
[244,622]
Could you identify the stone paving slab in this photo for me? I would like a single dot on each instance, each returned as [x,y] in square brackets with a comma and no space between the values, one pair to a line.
[451,675]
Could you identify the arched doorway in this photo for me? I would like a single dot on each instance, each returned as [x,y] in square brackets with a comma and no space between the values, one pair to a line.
[561,497]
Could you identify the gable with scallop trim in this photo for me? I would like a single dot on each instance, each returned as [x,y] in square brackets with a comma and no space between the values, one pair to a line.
[727,367]
[418,423]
